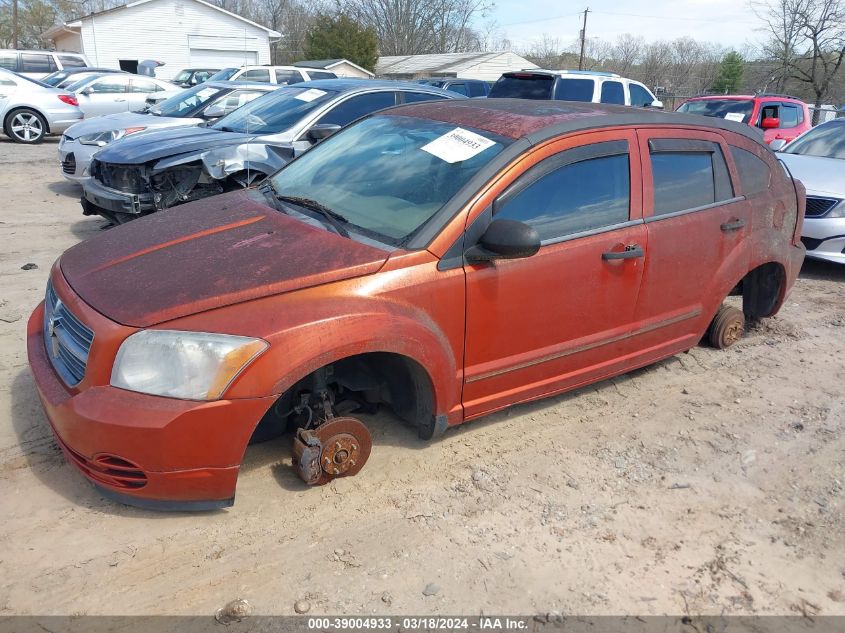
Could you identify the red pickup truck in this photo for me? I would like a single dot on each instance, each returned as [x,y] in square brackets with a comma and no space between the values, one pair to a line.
[442,259]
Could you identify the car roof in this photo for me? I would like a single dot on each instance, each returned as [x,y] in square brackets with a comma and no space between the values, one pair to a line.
[348,84]
[538,120]
[591,74]
[241,84]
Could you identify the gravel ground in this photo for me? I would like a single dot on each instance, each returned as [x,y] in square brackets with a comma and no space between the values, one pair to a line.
[709,483]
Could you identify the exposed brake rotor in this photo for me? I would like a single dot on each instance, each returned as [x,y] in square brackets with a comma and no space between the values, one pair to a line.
[337,448]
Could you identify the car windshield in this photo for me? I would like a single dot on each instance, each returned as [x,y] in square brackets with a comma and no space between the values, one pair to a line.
[386,176]
[186,102]
[523,86]
[826,140]
[223,75]
[274,112]
[738,110]
[54,79]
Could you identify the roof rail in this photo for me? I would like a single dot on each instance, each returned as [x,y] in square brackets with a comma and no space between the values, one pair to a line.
[777,94]
[601,73]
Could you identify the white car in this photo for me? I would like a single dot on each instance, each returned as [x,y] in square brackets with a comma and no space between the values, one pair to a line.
[817,159]
[201,104]
[115,92]
[282,75]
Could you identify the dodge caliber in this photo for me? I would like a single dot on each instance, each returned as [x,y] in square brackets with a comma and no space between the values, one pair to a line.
[443,260]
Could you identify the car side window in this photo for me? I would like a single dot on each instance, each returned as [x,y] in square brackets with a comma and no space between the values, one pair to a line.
[639,96]
[612,92]
[37,63]
[754,172]
[319,74]
[72,61]
[144,85]
[577,190]
[688,174]
[109,84]
[461,89]
[356,107]
[9,61]
[286,77]
[574,89]
[769,111]
[788,115]
[257,74]
[476,89]
[413,97]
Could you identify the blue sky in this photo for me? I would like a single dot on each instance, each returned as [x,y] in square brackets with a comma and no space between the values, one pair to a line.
[728,22]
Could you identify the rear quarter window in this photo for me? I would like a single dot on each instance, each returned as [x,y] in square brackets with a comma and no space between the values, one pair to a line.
[72,61]
[754,172]
[523,87]
[576,90]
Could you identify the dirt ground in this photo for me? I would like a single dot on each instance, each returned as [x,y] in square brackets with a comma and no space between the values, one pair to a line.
[709,483]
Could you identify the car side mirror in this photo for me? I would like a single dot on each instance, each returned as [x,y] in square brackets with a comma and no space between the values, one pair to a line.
[505,239]
[770,123]
[321,131]
[657,103]
[777,145]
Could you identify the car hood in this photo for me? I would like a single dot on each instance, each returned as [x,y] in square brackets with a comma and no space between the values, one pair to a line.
[205,255]
[820,175]
[123,120]
[157,144]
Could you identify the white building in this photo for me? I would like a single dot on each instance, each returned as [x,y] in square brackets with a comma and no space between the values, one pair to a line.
[486,66]
[340,67]
[180,33]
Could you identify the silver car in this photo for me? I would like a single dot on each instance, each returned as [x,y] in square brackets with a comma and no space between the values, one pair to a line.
[201,104]
[817,158]
[115,92]
[30,110]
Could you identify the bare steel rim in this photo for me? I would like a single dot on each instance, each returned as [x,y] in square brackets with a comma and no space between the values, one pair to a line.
[26,126]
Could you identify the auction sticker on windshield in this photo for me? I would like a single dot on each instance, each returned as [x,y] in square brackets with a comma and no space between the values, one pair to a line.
[457,145]
[735,116]
[310,94]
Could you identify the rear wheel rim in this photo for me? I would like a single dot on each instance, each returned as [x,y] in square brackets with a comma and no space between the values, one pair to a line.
[27,127]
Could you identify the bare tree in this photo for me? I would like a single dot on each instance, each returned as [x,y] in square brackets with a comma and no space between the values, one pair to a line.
[781,20]
[627,53]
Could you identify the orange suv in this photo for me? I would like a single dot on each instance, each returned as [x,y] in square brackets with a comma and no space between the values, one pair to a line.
[444,260]
[780,117]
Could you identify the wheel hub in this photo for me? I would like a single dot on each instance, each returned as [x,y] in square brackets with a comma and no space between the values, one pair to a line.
[337,448]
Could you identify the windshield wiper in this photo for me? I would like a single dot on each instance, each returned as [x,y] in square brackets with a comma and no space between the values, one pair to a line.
[335,219]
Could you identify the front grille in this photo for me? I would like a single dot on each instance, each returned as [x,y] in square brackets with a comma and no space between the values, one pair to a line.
[66,338]
[818,206]
[69,164]
[121,177]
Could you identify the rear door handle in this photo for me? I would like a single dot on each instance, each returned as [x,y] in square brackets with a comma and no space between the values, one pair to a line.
[733,225]
[119,100]
[631,251]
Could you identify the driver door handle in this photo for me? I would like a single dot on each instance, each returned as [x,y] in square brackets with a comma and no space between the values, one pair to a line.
[733,225]
[631,251]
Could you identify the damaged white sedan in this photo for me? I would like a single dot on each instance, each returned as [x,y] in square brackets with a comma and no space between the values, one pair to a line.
[156,170]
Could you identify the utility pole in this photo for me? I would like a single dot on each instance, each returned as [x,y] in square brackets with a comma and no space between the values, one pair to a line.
[15,23]
[583,39]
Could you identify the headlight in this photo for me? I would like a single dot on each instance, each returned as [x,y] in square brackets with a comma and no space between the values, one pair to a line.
[104,138]
[186,365]
[838,211]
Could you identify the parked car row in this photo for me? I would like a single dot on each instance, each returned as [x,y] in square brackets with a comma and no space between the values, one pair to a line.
[444,258]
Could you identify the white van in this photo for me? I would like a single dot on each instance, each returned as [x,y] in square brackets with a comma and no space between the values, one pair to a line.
[38,64]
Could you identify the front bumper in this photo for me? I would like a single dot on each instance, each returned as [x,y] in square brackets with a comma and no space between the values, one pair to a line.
[149,451]
[825,238]
[114,201]
[75,159]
